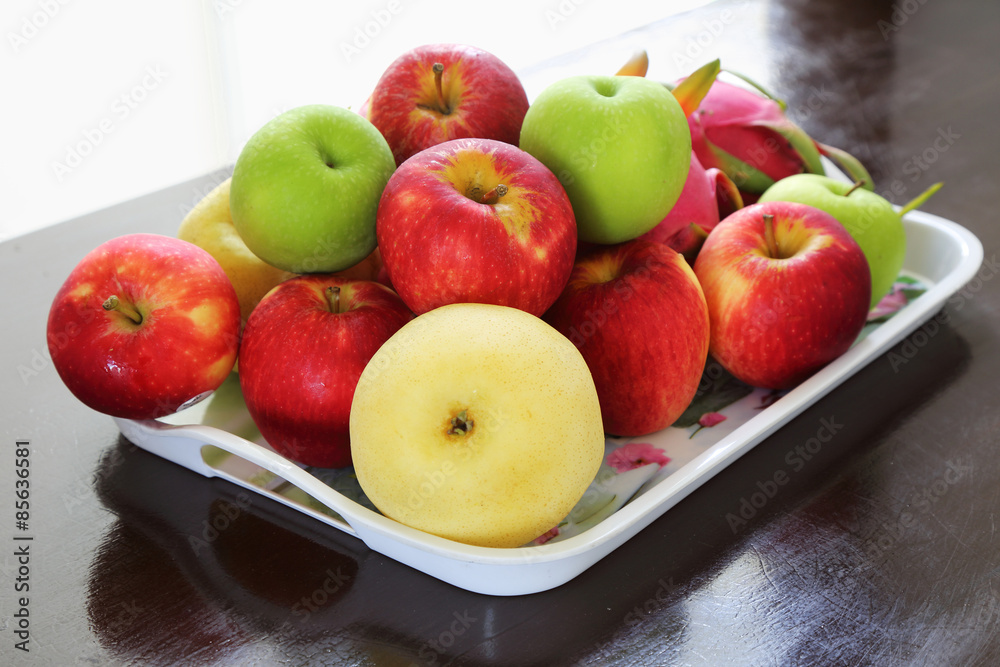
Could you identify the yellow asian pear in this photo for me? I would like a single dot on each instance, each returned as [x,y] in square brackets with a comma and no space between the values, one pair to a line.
[209,225]
[478,423]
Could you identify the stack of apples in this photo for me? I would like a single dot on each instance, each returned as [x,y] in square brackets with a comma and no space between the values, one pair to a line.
[461,294]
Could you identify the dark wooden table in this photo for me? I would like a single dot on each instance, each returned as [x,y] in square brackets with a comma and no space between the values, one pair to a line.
[880,550]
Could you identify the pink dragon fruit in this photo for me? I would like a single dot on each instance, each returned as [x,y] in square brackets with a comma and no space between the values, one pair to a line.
[708,197]
[748,136]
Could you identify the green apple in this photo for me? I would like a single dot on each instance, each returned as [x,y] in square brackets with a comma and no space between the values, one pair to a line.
[870,218]
[621,147]
[306,187]
[209,225]
[478,423]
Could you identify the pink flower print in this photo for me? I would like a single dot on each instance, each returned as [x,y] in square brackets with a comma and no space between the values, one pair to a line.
[635,455]
[891,302]
[708,420]
[711,419]
[545,537]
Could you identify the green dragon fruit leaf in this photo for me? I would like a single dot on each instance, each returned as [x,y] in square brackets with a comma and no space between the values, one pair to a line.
[918,201]
[801,142]
[848,164]
[763,91]
[746,177]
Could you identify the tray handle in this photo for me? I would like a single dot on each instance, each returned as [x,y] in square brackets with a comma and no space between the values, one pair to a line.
[184,446]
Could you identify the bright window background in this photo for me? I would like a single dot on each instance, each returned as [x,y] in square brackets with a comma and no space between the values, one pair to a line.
[107,100]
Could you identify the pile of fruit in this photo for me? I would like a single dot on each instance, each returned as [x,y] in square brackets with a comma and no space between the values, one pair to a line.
[460,294]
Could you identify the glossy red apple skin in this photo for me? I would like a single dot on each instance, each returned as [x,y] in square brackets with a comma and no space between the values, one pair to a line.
[638,316]
[777,321]
[484,99]
[300,362]
[184,347]
[440,245]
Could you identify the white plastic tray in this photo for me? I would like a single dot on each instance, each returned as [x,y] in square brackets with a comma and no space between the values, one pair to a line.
[942,255]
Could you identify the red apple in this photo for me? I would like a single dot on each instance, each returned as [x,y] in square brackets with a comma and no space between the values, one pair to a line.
[438,92]
[143,326]
[788,291]
[638,316]
[303,349]
[476,220]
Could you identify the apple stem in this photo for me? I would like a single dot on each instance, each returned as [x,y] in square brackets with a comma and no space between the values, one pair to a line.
[461,424]
[333,298]
[857,184]
[114,303]
[772,243]
[493,196]
[438,72]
